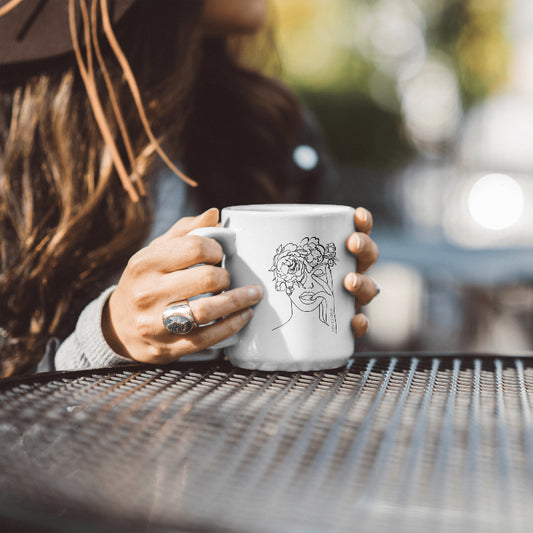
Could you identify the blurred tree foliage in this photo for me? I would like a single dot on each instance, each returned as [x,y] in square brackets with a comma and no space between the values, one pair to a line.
[357,129]
[335,58]
[482,50]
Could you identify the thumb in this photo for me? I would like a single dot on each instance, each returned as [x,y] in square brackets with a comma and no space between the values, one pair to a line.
[186,224]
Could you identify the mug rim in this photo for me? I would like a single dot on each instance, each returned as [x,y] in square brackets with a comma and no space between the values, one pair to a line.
[289,209]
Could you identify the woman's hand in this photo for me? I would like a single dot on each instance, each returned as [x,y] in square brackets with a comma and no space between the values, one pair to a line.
[158,276]
[362,287]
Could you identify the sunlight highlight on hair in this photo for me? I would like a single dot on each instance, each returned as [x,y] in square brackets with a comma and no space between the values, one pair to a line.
[4,10]
[130,79]
[99,115]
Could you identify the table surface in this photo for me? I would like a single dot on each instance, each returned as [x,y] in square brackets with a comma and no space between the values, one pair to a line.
[399,442]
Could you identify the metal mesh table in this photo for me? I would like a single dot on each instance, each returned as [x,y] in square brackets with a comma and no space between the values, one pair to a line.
[402,443]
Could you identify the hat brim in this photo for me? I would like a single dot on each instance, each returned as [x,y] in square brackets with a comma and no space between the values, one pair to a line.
[39,29]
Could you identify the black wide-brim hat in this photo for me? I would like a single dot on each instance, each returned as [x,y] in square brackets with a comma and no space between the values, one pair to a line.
[37,30]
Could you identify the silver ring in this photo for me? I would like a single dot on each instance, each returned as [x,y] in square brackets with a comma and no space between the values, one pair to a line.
[178,318]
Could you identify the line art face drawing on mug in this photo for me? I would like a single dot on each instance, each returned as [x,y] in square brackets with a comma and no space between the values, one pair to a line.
[303,272]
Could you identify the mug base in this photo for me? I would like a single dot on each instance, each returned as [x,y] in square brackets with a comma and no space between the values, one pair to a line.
[291,366]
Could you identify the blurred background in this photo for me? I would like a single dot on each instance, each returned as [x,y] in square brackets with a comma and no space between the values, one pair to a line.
[427,109]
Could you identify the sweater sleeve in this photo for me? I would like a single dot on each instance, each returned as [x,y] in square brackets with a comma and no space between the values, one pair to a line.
[86,347]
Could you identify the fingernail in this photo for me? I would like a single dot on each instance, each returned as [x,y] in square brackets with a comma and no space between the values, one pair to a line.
[358,242]
[246,315]
[255,292]
[355,281]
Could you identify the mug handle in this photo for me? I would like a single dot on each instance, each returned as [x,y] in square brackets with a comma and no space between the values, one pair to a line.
[226,238]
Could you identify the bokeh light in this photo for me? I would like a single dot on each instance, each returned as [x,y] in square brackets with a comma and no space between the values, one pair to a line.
[431,104]
[305,157]
[498,134]
[496,201]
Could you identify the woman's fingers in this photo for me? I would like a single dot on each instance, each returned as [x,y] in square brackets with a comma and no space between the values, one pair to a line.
[231,310]
[168,348]
[364,248]
[206,310]
[362,287]
[359,242]
[175,254]
[204,337]
[363,220]
[360,325]
[156,290]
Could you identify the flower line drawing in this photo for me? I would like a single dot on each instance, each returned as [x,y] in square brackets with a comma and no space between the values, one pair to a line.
[303,272]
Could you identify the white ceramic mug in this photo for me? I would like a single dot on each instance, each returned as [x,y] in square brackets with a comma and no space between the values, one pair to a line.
[298,254]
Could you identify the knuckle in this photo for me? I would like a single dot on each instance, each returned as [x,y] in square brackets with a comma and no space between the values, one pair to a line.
[200,310]
[137,263]
[194,247]
[143,325]
[214,249]
[236,300]
[224,278]
[214,279]
[142,297]
[209,278]
[201,249]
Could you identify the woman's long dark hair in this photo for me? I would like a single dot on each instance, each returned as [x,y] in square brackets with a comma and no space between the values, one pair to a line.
[61,235]
[239,132]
